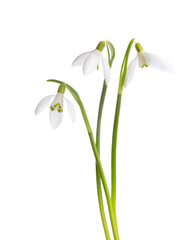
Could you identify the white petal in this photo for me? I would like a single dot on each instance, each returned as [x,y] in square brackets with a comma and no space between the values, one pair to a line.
[91,62]
[43,104]
[106,69]
[71,110]
[130,71]
[157,62]
[142,60]
[58,99]
[80,59]
[55,118]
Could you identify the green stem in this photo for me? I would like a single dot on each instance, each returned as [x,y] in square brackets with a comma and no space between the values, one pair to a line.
[98,180]
[101,172]
[104,90]
[123,73]
[111,56]
[114,144]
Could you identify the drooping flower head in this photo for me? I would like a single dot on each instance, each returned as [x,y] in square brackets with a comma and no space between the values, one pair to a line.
[144,59]
[56,107]
[91,61]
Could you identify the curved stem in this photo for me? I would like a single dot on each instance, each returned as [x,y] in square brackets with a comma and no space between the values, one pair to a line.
[100,169]
[98,180]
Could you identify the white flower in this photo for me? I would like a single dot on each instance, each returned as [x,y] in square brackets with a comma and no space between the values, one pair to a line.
[91,61]
[144,59]
[56,108]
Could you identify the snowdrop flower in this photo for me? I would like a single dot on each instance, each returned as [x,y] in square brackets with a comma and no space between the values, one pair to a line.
[56,108]
[144,59]
[91,61]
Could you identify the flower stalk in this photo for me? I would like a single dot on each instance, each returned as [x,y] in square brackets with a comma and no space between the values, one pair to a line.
[101,172]
[115,127]
[98,180]
[96,154]
[111,56]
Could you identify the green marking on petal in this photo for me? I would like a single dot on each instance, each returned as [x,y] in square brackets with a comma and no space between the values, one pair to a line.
[144,65]
[52,108]
[58,106]
[59,110]
[98,67]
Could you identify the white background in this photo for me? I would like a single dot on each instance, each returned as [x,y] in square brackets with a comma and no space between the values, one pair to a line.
[47,177]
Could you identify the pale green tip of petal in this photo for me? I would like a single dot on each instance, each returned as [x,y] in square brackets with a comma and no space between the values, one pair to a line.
[100,46]
[138,47]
